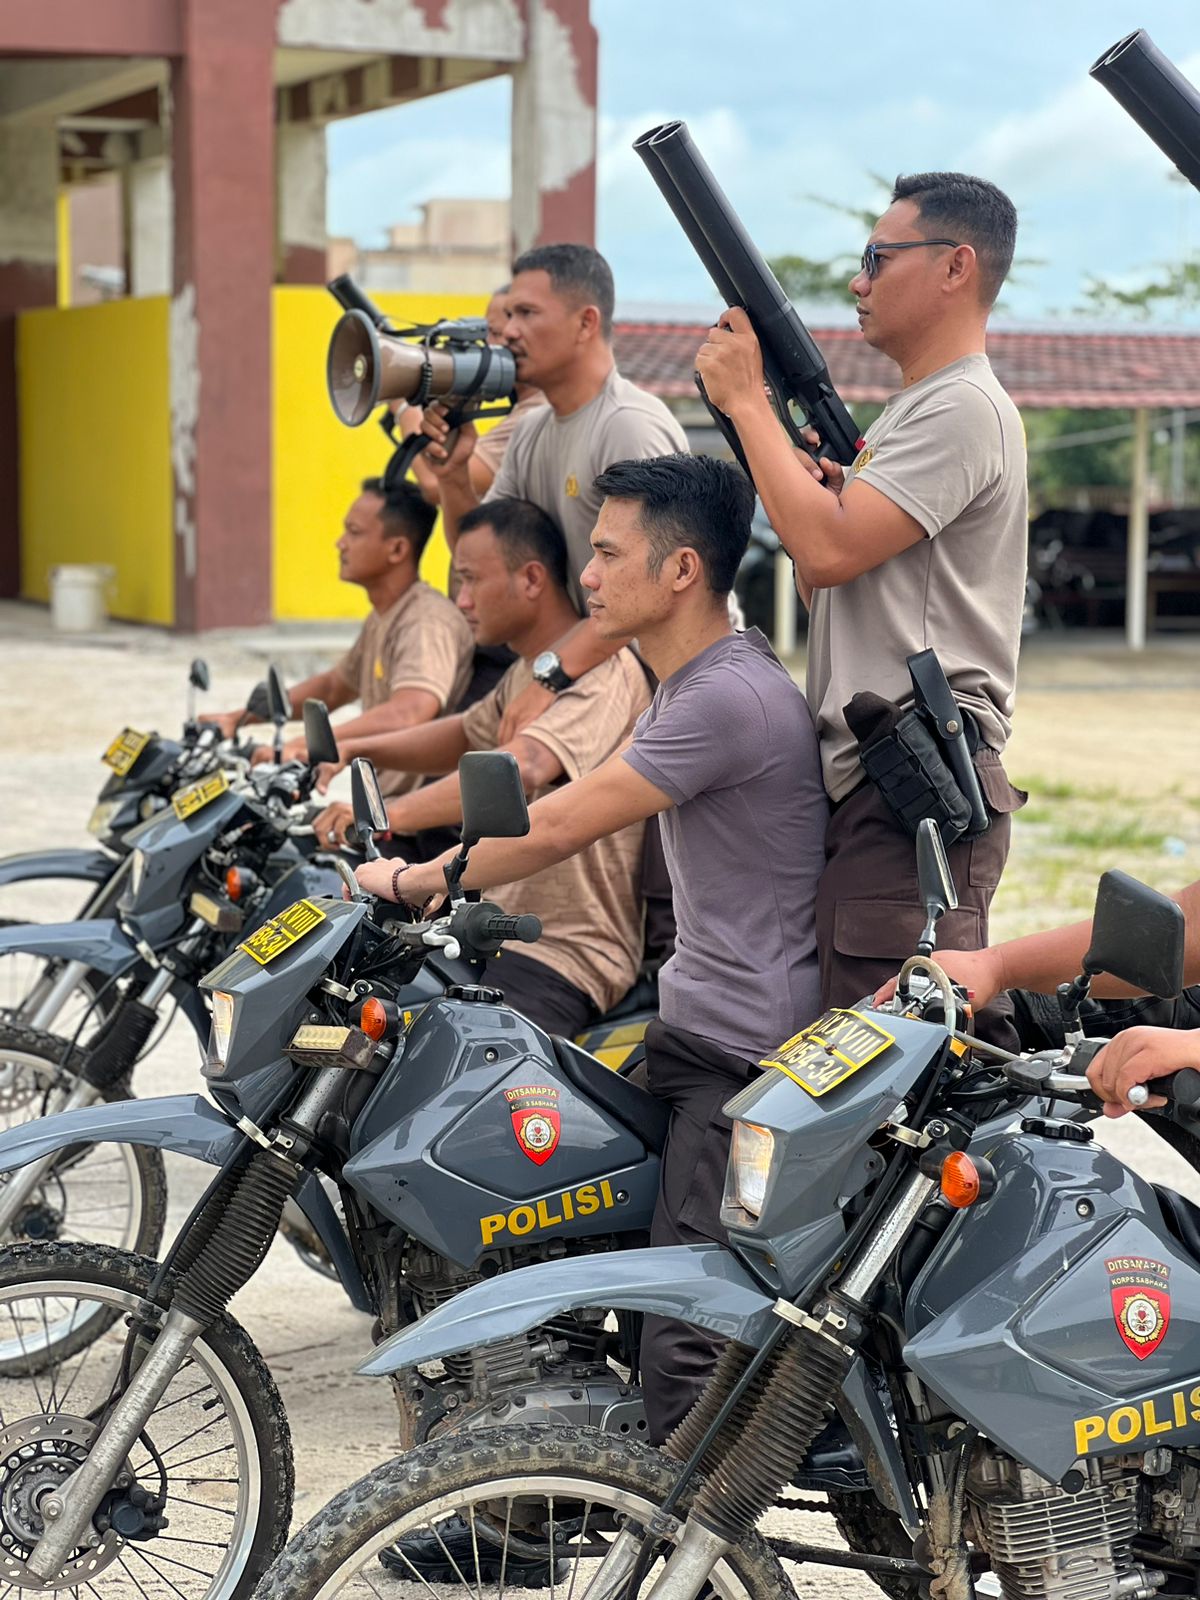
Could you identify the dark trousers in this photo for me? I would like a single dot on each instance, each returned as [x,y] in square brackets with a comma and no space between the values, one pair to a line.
[540,993]
[695,1078]
[869,914]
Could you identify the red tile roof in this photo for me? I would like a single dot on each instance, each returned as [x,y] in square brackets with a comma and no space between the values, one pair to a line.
[1061,367]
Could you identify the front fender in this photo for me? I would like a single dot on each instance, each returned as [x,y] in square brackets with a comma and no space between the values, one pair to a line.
[703,1284]
[185,1123]
[89,866]
[190,1126]
[100,943]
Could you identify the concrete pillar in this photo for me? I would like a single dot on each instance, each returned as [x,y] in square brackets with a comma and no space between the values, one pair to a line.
[1137,548]
[220,326]
[300,202]
[554,128]
[29,174]
[150,224]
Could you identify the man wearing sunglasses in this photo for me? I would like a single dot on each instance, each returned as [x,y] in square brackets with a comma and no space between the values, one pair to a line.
[920,544]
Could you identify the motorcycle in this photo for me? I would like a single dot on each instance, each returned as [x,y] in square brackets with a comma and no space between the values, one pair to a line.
[1008,1328]
[321,1065]
[146,771]
[220,860]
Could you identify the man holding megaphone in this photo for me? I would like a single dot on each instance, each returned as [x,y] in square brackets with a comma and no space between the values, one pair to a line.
[559,331]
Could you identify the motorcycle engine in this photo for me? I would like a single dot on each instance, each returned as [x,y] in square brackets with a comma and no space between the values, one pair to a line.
[557,1371]
[1048,1544]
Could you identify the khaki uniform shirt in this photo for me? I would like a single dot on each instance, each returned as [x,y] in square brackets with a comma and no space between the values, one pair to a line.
[950,451]
[555,460]
[421,642]
[491,446]
[591,904]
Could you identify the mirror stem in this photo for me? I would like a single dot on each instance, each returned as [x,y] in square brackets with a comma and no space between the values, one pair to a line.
[1070,997]
[453,872]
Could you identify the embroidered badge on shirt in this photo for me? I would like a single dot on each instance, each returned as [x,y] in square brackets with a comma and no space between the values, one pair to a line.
[572,486]
[863,459]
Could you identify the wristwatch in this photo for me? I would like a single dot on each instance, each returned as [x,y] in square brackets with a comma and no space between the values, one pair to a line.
[548,671]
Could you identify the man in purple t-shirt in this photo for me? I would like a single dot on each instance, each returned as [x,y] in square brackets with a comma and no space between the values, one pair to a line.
[727,756]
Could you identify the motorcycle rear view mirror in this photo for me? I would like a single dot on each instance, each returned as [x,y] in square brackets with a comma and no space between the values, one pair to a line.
[279,705]
[318,735]
[366,801]
[1138,935]
[493,797]
[198,678]
[935,882]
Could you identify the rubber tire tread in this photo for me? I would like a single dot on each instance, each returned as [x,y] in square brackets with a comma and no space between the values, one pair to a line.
[120,1269]
[109,1000]
[152,1170]
[872,1529]
[464,1460]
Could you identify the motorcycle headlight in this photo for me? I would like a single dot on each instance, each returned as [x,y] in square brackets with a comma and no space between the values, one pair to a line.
[138,862]
[216,1057]
[750,1160]
[150,805]
[101,817]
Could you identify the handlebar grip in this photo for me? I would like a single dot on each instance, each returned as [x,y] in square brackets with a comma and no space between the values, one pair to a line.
[1181,1091]
[483,925]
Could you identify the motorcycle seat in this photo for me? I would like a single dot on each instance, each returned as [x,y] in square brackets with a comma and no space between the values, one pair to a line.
[637,1110]
[642,997]
[1182,1218]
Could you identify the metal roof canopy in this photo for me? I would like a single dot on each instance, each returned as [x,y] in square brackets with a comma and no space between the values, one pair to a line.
[1084,369]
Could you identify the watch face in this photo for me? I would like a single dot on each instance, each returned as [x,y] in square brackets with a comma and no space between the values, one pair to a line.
[545,664]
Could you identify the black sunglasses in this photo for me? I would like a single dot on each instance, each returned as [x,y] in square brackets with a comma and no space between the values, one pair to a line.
[870,256]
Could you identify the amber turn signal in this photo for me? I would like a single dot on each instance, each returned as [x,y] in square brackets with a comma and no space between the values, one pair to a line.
[233,884]
[373,1019]
[962,1183]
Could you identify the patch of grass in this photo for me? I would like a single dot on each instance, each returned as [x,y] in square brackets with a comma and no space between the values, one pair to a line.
[1057,789]
[1110,835]
[1032,812]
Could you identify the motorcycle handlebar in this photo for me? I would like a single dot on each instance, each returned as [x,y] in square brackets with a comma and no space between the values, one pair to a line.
[1181,1089]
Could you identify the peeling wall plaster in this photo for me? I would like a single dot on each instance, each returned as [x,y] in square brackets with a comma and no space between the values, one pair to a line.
[184,353]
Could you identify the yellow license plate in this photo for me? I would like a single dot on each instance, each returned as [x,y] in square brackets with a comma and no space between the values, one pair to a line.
[124,750]
[186,802]
[282,932]
[825,1053]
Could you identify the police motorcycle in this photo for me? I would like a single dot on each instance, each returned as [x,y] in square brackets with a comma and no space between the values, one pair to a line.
[1008,1327]
[221,859]
[140,1432]
[146,770]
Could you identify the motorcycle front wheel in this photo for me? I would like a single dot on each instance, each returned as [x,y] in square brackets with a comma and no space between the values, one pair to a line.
[481,1514]
[214,1457]
[111,1194]
[26,981]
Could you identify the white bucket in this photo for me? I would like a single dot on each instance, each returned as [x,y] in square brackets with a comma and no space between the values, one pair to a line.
[77,597]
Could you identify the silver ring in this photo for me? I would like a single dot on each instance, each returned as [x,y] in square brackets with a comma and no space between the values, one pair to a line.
[332,836]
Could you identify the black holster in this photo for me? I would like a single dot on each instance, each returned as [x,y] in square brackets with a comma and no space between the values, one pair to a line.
[919,756]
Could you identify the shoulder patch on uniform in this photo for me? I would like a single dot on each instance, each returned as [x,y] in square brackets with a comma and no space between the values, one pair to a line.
[863,458]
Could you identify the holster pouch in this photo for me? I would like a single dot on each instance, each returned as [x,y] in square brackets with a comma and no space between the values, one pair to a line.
[919,770]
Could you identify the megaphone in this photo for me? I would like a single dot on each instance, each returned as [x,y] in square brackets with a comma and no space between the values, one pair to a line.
[450,361]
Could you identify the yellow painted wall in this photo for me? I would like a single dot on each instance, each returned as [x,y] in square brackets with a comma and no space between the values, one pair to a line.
[318,463]
[95,450]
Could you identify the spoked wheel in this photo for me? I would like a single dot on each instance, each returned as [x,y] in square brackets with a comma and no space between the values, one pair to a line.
[488,1513]
[201,1504]
[112,1194]
[26,980]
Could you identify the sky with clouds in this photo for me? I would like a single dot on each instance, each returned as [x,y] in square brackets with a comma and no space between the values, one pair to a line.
[788,101]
